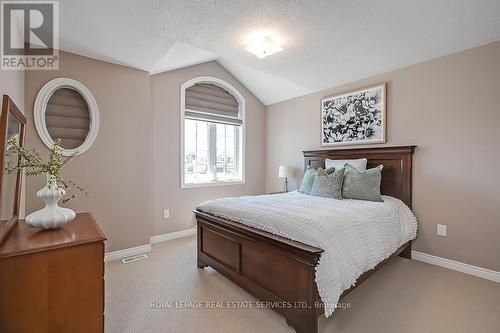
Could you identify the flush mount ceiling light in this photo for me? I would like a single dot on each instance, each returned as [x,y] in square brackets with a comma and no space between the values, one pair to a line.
[263,43]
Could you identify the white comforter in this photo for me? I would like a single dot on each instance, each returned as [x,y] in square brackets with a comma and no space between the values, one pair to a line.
[355,235]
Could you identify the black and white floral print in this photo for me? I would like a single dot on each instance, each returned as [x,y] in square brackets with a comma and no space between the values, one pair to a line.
[354,117]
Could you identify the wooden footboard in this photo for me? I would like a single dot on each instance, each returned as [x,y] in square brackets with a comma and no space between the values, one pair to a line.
[273,269]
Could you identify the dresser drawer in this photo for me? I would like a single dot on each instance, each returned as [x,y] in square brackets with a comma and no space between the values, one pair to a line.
[53,289]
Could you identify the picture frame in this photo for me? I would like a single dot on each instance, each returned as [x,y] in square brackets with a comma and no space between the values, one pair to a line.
[355,117]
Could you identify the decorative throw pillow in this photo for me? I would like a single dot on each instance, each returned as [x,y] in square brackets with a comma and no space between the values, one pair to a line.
[328,185]
[359,164]
[307,181]
[309,176]
[362,185]
[329,170]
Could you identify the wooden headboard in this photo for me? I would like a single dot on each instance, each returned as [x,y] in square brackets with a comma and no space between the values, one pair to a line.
[397,162]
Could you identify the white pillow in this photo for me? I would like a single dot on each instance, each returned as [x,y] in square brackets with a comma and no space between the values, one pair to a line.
[359,164]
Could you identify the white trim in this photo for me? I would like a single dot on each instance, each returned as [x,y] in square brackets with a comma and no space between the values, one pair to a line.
[172,235]
[214,183]
[457,266]
[41,105]
[241,105]
[133,251]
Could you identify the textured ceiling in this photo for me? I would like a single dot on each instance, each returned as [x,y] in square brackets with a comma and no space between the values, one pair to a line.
[327,42]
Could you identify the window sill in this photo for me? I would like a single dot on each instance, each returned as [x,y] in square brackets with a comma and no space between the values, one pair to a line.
[211,184]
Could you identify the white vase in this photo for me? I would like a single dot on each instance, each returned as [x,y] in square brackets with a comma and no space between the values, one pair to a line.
[51,216]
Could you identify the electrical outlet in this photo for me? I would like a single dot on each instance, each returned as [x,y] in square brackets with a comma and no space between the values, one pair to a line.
[166,214]
[441,230]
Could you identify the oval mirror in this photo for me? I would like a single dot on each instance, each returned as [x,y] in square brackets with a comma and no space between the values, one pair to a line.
[65,109]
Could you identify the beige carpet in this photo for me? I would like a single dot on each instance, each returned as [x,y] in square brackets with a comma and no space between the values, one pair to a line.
[404,296]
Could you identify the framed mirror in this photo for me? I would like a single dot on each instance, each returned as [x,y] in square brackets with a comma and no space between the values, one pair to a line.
[12,125]
[65,109]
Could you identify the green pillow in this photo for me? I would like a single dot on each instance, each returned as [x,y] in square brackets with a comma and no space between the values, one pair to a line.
[308,181]
[363,185]
[328,185]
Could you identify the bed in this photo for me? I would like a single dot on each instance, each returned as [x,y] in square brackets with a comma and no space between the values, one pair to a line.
[282,271]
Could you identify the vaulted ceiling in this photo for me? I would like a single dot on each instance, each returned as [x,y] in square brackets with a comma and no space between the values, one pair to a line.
[327,42]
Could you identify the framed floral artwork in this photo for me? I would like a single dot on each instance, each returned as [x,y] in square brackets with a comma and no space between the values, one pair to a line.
[355,117]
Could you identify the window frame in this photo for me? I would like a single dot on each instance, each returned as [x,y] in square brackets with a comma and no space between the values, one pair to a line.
[40,108]
[241,107]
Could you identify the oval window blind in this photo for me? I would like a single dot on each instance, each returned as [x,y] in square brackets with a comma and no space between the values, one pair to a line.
[67,118]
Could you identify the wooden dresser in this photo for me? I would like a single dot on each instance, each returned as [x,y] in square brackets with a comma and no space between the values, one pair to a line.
[53,281]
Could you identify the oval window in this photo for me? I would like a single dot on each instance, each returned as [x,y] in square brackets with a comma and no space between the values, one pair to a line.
[66,110]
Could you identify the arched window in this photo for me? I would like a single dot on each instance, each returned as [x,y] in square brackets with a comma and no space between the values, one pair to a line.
[212,133]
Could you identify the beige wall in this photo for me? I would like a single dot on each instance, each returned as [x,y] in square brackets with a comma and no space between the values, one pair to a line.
[450,108]
[117,169]
[165,94]
[132,169]
[12,84]
[447,106]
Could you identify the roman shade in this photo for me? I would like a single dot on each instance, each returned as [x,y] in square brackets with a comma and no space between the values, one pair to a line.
[67,118]
[208,102]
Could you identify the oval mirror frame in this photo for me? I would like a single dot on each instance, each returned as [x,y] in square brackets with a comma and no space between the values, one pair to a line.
[41,106]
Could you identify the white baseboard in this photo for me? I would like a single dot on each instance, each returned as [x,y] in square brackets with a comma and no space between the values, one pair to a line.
[172,235]
[457,266]
[115,255]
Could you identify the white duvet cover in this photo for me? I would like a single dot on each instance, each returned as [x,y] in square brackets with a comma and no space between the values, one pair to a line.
[355,235]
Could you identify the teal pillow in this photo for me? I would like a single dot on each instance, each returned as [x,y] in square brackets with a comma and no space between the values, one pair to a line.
[363,185]
[328,185]
[308,181]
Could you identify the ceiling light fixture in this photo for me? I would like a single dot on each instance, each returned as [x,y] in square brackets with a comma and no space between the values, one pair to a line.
[263,43]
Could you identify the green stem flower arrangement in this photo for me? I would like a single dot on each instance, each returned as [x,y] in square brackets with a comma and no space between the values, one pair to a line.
[34,165]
